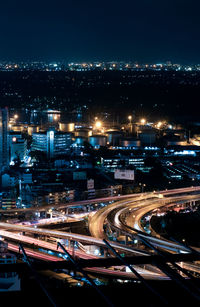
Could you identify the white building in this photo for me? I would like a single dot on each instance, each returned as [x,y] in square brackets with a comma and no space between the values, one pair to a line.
[18,149]
[52,142]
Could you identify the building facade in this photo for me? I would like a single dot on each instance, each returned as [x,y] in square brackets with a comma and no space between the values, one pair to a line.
[4,139]
[18,149]
[52,142]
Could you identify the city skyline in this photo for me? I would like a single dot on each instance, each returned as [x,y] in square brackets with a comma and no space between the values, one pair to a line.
[99,60]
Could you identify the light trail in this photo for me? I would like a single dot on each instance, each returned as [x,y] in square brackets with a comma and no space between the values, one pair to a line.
[105,199]
[99,271]
[97,221]
[138,202]
[34,254]
[68,236]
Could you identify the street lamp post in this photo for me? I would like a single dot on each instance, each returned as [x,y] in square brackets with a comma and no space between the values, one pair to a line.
[130,123]
[143,185]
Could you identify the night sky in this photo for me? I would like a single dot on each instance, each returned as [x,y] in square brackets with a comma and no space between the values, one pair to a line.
[84,30]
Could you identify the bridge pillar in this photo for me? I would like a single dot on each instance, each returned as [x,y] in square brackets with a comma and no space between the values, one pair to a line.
[106,252]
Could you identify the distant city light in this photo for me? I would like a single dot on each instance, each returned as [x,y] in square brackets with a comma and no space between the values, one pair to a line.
[143,121]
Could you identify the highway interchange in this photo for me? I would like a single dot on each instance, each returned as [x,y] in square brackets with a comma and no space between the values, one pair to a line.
[121,215]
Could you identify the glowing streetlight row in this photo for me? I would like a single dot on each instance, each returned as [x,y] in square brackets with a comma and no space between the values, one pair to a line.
[98,123]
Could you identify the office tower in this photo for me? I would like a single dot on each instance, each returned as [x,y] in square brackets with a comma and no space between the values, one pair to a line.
[18,149]
[4,139]
[52,142]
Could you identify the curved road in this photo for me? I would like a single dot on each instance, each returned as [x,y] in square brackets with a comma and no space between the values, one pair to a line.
[140,208]
[140,203]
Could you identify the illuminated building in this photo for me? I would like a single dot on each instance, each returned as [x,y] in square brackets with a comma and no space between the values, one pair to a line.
[66,127]
[4,139]
[13,135]
[31,129]
[18,149]
[129,142]
[52,116]
[113,163]
[52,142]
[114,137]
[7,200]
[98,140]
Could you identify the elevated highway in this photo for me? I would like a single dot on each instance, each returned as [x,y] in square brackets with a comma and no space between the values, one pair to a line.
[65,235]
[112,215]
[139,204]
[60,206]
[37,254]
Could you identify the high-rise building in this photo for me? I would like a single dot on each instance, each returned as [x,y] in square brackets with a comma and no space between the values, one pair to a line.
[4,139]
[18,149]
[52,142]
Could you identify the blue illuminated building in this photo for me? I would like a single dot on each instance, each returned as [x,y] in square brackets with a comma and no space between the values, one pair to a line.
[52,142]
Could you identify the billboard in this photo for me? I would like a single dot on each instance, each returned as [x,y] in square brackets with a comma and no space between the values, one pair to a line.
[124,174]
[90,184]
